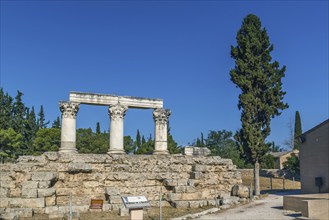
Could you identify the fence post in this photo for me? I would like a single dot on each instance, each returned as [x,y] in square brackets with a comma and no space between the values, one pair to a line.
[271,183]
[293,182]
[284,183]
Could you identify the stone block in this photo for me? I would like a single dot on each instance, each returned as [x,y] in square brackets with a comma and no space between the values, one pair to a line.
[115,200]
[7,184]
[107,207]
[183,196]
[52,156]
[43,176]
[51,209]
[123,211]
[170,182]
[91,184]
[50,201]
[21,212]
[28,202]
[6,176]
[181,182]
[29,193]
[30,184]
[79,168]
[46,192]
[179,189]
[4,202]
[233,200]
[76,200]
[240,191]
[17,192]
[193,204]
[112,191]
[181,204]
[44,184]
[196,175]
[3,192]
[199,168]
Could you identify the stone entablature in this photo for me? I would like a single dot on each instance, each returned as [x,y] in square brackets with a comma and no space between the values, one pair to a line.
[104,99]
[42,184]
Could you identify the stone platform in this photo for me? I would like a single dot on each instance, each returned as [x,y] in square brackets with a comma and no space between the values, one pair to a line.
[42,184]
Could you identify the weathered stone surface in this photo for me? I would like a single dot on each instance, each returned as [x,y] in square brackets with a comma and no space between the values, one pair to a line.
[79,168]
[230,201]
[108,177]
[240,191]
[28,203]
[3,192]
[29,193]
[112,191]
[43,176]
[44,184]
[50,201]
[21,212]
[30,184]
[46,192]
[51,156]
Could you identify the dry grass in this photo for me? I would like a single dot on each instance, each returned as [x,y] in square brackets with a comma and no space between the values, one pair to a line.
[277,183]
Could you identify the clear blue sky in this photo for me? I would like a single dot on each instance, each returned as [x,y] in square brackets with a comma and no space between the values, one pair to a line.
[175,50]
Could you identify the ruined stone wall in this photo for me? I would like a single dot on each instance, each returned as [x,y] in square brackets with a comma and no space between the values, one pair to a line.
[42,184]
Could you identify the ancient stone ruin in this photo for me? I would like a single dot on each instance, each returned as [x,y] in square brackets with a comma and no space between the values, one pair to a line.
[42,184]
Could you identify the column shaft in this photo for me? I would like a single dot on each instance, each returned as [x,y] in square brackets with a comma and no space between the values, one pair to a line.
[160,117]
[68,129]
[117,114]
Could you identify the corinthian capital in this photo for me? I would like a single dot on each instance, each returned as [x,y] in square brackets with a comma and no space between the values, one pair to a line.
[69,109]
[161,115]
[117,111]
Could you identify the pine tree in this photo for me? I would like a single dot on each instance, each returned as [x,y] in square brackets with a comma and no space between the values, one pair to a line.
[261,90]
[201,140]
[138,139]
[298,130]
[6,110]
[172,145]
[41,119]
[56,123]
[143,140]
[98,128]
[19,113]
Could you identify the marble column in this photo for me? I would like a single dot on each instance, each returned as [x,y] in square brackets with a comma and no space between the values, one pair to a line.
[160,117]
[117,114]
[68,131]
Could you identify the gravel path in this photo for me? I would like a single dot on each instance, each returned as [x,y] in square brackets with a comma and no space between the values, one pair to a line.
[269,207]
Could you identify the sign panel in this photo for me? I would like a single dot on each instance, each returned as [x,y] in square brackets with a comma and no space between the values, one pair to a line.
[96,204]
[135,202]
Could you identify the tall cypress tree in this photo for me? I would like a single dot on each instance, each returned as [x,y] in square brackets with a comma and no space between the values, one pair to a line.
[138,139]
[6,110]
[19,113]
[261,90]
[56,123]
[298,130]
[98,128]
[41,119]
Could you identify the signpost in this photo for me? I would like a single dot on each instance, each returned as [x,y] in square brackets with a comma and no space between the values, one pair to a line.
[135,204]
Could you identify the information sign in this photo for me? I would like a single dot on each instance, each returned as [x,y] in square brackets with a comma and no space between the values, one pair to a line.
[135,202]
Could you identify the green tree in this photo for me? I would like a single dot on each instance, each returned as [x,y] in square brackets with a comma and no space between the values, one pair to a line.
[298,130]
[41,119]
[128,144]
[143,140]
[56,123]
[172,145]
[18,113]
[47,139]
[10,142]
[6,110]
[267,162]
[30,130]
[138,139]
[221,143]
[147,147]
[90,142]
[98,128]
[292,165]
[261,90]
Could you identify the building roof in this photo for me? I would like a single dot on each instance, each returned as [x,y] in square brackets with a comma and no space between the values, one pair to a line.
[279,154]
[316,127]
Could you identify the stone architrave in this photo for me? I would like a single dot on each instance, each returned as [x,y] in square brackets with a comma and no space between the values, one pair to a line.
[160,117]
[117,114]
[68,131]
